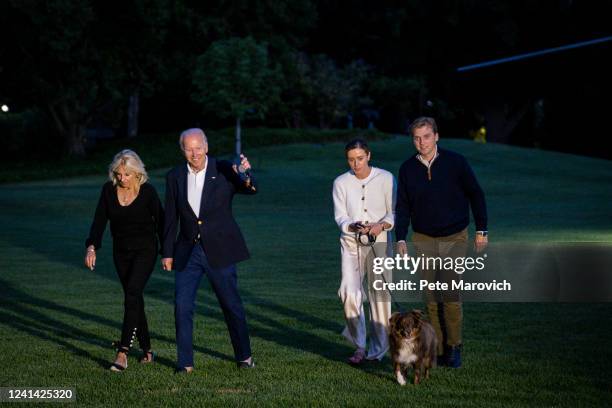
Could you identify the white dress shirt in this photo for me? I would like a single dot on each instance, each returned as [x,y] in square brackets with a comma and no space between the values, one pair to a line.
[195,187]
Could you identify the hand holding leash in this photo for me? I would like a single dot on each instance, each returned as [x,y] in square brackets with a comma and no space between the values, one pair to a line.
[376,229]
[242,166]
[359,227]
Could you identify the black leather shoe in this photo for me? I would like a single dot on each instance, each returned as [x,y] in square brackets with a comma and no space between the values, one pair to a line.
[244,364]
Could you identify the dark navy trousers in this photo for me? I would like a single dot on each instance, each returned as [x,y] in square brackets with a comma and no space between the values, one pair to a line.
[224,283]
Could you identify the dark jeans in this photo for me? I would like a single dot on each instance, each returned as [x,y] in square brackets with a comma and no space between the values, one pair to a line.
[134,267]
[224,283]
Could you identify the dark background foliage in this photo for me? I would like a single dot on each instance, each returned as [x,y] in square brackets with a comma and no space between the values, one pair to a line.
[75,72]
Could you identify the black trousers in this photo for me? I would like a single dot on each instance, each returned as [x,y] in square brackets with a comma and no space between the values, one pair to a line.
[134,267]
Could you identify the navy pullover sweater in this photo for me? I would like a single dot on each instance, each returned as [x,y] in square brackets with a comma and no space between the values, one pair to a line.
[440,206]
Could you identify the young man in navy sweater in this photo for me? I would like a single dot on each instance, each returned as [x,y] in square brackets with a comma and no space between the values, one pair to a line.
[436,188]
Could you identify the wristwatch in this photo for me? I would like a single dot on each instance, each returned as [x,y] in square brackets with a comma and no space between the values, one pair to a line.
[483,233]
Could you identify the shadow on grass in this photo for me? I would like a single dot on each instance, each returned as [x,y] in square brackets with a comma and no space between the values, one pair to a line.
[266,327]
[381,369]
[293,328]
[271,321]
[42,332]
[263,323]
[23,316]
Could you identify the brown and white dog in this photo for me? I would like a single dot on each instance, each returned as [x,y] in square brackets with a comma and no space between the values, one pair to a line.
[413,342]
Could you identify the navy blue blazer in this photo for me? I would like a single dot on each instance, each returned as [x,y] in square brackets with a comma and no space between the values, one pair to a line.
[220,235]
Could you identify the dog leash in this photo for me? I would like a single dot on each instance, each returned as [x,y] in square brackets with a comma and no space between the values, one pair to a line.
[371,244]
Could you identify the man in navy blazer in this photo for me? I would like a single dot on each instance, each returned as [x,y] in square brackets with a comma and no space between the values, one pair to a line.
[202,237]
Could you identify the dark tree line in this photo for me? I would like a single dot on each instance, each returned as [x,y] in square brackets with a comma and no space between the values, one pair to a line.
[157,65]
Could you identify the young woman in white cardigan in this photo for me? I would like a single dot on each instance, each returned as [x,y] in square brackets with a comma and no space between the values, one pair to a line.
[364,201]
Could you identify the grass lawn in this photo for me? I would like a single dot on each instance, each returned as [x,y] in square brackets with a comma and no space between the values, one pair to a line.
[57,319]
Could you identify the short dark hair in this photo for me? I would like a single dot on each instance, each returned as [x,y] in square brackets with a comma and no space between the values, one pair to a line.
[424,121]
[356,144]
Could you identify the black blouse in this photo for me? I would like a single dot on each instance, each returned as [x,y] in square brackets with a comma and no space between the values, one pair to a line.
[133,226]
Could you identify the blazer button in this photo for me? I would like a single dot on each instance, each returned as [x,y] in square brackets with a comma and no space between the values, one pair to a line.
[199,222]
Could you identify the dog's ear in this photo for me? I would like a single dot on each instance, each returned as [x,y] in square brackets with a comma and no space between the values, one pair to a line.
[418,316]
[393,319]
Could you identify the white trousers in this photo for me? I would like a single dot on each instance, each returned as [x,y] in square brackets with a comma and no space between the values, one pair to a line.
[352,294]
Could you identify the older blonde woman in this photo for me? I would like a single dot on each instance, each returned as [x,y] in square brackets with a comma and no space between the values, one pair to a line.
[136,221]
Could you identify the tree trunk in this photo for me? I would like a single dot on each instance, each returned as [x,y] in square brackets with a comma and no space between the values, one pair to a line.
[71,131]
[501,119]
[133,111]
[238,138]
[76,140]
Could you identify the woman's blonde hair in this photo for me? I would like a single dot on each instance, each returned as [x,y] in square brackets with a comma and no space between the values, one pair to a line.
[130,160]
